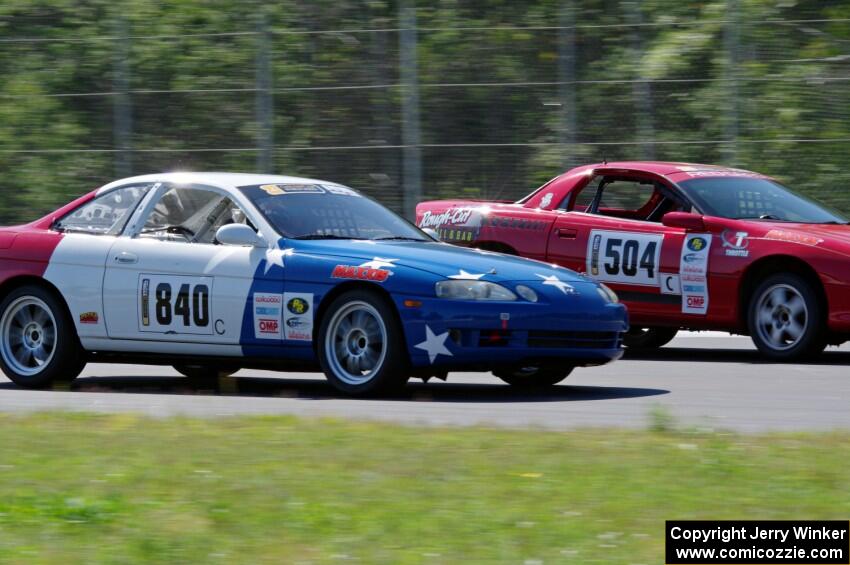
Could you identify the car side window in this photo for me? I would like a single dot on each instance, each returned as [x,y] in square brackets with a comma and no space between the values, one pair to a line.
[632,199]
[106,214]
[191,215]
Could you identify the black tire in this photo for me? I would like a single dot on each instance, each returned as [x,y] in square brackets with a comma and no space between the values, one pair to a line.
[43,351]
[649,338]
[205,372]
[786,318]
[378,345]
[533,377]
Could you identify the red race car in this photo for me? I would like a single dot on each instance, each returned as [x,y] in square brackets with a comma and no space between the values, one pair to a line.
[684,246]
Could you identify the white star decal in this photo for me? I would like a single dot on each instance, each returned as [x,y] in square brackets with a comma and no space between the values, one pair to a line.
[464,276]
[379,263]
[275,257]
[553,280]
[434,344]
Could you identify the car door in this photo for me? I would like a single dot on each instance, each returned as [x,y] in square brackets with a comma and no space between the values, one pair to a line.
[612,231]
[170,286]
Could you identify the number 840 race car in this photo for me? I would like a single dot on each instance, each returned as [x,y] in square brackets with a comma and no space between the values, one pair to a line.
[684,246]
[214,272]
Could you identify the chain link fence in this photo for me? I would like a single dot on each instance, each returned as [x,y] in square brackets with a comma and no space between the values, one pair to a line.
[408,100]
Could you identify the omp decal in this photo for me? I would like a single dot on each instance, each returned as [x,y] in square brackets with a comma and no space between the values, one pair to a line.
[624,257]
[267,315]
[298,316]
[693,269]
[670,284]
[175,304]
[735,243]
[360,273]
[89,318]
[792,237]
[434,344]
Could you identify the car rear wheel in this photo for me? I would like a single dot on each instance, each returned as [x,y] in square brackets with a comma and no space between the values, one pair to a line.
[533,377]
[204,372]
[38,342]
[362,349]
[786,319]
[649,338]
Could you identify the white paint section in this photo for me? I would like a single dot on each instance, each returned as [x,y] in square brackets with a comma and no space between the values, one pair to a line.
[160,347]
[267,315]
[298,316]
[693,271]
[230,268]
[76,269]
[670,284]
[624,257]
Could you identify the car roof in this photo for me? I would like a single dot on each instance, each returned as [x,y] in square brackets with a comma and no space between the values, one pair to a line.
[220,180]
[670,168]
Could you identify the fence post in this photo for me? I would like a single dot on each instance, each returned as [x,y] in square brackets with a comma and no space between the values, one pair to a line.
[641,89]
[731,44]
[410,128]
[264,96]
[567,82]
[122,109]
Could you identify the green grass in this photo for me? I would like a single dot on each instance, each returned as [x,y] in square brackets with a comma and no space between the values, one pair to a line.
[123,489]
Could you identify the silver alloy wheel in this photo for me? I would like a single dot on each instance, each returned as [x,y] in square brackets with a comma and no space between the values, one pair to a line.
[356,342]
[781,317]
[27,335]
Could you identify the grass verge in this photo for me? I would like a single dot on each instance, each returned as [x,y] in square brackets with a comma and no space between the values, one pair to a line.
[110,489]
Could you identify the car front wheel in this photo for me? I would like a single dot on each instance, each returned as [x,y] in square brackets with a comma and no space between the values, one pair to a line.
[786,319]
[38,342]
[362,349]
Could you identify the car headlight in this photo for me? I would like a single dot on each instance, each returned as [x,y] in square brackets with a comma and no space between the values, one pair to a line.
[607,294]
[472,290]
[526,292]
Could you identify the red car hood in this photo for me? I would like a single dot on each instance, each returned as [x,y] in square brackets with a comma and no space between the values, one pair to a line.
[835,236]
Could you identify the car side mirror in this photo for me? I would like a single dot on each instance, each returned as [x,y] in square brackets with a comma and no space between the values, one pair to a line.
[238,234]
[685,220]
[432,232]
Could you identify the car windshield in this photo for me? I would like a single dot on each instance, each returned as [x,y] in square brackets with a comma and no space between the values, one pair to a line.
[323,211]
[758,199]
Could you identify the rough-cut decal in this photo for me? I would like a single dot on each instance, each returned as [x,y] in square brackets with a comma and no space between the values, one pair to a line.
[360,273]
[735,243]
[693,271]
[624,257]
[267,315]
[298,316]
[793,237]
[89,318]
[670,284]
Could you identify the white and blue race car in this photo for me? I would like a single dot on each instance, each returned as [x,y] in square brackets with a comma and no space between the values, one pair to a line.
[213,272]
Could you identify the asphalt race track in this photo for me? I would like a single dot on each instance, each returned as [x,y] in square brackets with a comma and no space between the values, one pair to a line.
[702,381]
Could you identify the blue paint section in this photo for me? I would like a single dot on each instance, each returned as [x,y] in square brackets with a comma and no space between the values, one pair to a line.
[569,322]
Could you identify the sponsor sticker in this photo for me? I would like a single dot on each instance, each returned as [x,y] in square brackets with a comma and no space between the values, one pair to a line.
[624,257]
[546,200]
[341,190]
[278,189]
[360,273]
[792,237]
[89,318]
[267,309]
[693,267]
[735,243]
[298,316]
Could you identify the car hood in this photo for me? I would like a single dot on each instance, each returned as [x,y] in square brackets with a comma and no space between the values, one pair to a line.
[834,236]
[440,259]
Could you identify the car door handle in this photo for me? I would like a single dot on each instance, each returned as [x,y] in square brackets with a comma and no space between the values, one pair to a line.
[565,233]
[126,258]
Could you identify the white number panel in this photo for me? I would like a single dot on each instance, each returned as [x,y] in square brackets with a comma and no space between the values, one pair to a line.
[175,304]
[624,257]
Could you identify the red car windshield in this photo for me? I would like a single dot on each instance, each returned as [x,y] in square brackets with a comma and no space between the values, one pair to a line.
[742,198]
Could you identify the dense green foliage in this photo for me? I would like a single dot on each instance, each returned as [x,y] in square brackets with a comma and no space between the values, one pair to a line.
[781,81]
[124,489]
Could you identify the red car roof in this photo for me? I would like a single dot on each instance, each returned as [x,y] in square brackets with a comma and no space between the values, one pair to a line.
[668,168]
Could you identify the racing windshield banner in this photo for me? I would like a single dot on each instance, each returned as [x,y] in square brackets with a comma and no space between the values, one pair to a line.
[693,270]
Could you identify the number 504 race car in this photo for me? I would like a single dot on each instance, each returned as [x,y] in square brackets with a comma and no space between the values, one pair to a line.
[684,246]
[214,272]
